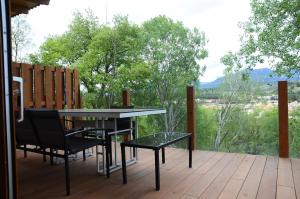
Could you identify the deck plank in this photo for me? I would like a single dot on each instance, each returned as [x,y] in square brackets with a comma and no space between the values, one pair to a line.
[182,187]
[236,182]
[216,187]
[296,175]
[285,181]
[252,182]
[267,188]
[214,175]
[204,181]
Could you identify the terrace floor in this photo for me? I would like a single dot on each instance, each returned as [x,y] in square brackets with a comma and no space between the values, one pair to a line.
[214,175]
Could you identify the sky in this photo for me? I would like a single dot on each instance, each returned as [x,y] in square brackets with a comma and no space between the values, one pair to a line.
[217,18]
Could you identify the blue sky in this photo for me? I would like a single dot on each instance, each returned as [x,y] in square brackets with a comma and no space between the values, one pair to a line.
[217,18]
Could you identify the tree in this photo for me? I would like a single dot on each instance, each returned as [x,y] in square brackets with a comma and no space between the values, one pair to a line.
[66,49]
[172,53]
[20,36]
[113,54]
[234,93]
[271,36]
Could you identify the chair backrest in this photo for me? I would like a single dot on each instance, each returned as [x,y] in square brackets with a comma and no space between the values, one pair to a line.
[25,133]
[48,127]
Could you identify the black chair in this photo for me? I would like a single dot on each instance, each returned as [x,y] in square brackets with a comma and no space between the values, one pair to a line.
[25,135]
[52,135]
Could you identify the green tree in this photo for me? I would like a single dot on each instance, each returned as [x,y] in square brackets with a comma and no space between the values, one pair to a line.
[271,37]
[112,61]
[172,53]
[66,49]
[236,95]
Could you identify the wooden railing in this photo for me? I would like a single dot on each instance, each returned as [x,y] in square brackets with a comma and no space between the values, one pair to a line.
[47,87]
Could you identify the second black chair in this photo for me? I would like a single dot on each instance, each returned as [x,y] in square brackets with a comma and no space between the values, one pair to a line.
[52,135]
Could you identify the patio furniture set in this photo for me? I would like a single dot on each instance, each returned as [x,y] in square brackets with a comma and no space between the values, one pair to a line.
[43,131]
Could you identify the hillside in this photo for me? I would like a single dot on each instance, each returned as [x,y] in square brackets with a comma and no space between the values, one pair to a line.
[263,75]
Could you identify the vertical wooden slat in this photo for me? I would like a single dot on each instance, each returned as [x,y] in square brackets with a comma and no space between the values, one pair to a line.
[49,87]
[283,119]
[28,84]
[68,89]
[59,88]
[191,113]
[76,89]
[38,86]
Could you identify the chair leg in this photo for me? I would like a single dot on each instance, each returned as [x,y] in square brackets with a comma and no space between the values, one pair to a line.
[25,151]
[124,164]
[163,155]
[157,175]
[67,175]
[134,137]
[44,155]
[51,156]
[110,150]
[83,155]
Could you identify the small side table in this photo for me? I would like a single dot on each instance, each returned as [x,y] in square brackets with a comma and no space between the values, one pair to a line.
[156,142]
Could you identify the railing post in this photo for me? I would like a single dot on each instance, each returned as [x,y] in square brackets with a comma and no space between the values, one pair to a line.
[125,102]
[283,119]
[125,98]
[190,101]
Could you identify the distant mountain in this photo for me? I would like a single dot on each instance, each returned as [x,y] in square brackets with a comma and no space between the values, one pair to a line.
[264,75]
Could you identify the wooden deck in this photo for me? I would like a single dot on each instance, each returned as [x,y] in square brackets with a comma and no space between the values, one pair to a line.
[214,175]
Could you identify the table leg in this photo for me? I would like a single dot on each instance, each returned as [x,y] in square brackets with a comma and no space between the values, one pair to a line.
[123,163]
[157,175]
[163,155]
[115,128]
[108,152]
[190,152]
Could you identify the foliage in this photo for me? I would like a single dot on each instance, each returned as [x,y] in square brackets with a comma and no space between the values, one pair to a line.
[294,139]
[271,36]
[67,48]
[112,61]
[20,37]
[172,53]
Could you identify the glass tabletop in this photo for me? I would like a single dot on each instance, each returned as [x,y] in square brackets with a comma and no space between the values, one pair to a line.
[157,140]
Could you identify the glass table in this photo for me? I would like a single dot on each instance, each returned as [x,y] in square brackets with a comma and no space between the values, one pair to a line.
[156,142]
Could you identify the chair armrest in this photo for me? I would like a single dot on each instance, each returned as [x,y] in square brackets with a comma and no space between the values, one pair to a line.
[73,130]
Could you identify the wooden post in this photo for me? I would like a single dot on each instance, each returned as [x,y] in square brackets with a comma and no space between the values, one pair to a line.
[125,98]
[283,119]
[125,102]
[190,102]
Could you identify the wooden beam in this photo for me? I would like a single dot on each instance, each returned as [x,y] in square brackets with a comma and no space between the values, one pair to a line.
[283,119]
[17,8]
[190,102]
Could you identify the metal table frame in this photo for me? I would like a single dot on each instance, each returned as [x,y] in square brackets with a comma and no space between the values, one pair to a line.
[156,148]
[101,115]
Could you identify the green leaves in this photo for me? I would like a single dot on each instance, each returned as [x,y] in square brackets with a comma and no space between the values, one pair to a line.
[155,61]
[271,36]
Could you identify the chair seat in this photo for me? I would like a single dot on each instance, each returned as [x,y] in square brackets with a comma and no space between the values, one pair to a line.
[77,144]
